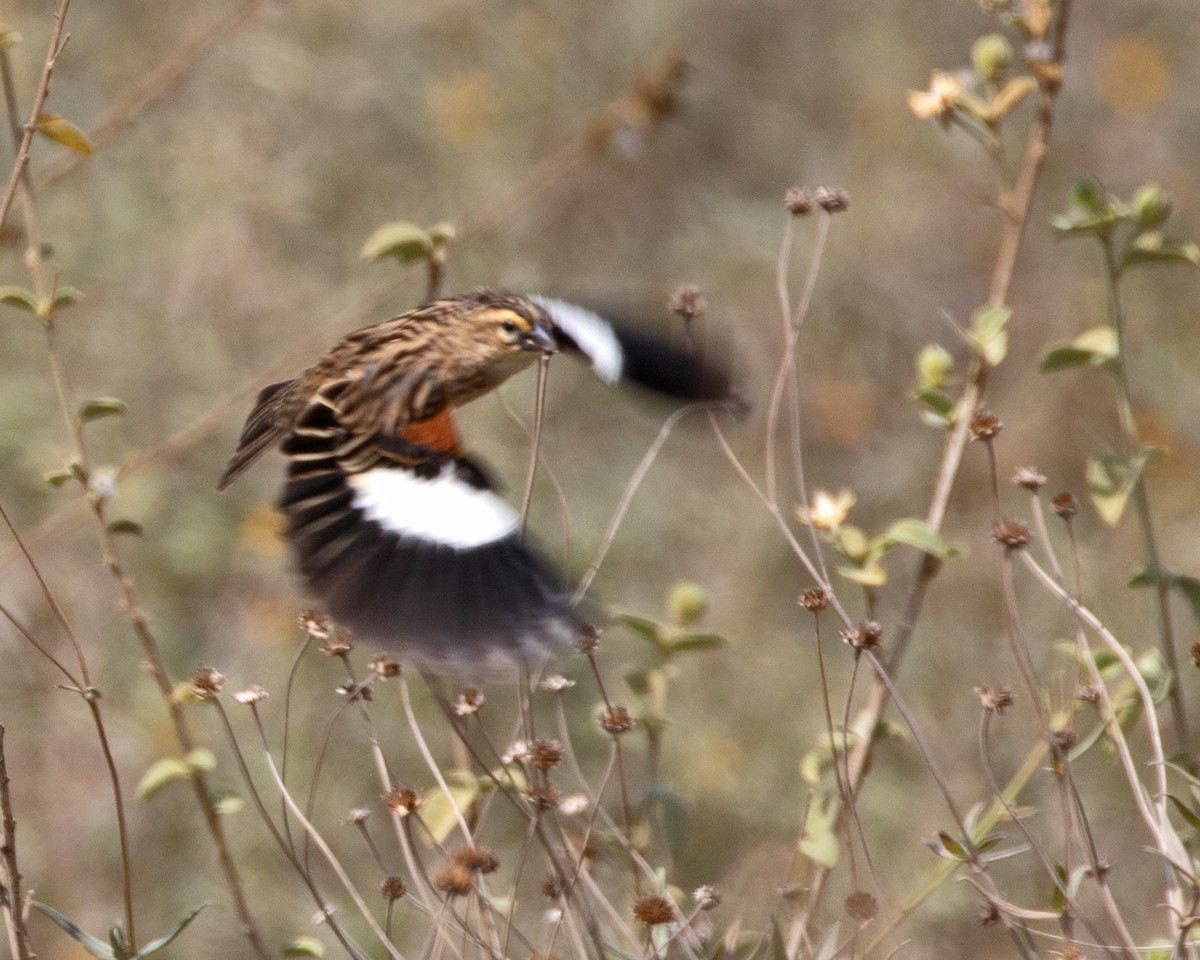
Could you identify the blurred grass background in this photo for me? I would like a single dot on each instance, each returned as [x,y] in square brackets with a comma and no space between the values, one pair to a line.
[216,241]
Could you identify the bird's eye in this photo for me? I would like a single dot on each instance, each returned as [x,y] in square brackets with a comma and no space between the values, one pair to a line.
[508,326]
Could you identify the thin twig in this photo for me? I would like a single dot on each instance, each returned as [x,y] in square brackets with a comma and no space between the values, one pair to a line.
[11,898]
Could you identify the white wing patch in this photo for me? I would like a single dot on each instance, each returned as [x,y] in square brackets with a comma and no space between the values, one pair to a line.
[591,332]
[443,509]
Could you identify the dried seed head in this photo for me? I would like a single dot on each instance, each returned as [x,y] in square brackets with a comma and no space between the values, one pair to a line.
[1196,653]
[453,879]
[517,750]
[985,425]
[688,303]
[862,906]
[654,909]
[404,801]
[252,694]
[476,859]
[384,667]
[831,199]
[552,888]
[868,636]
[337,644]
[316,624]
[814,600]
[707,897]
[616,720]
[469,701]
[989,915]
[556,684]
[798,200]
[357,815]
[1065,504]
[393,888]
[544,754]
[542,798]
[207,683]
[1013,534]
[1028,478]
[588,638]
[1061,742]
[1089,693]
[995,699]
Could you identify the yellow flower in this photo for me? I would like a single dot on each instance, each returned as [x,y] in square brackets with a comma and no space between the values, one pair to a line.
[940,100]
[828,510]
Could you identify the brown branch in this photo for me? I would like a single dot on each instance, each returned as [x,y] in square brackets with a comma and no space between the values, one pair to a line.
[11,900]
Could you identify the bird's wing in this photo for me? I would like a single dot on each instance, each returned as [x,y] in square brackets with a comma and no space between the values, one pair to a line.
[261,431]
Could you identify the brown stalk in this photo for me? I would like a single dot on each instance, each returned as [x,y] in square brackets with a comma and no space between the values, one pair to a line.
[11,898]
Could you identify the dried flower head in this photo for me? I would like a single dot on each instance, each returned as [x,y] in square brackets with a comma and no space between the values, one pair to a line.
[544,754]
[316,624]
[798,201]
[814,600]
[862,906]
[1061,741]
[831,199]
[1012,534]
[252,694]
[207,683]
[573,804]
[337,644]
[707,897]
[469,701]
[556,684]
[384,667]
[588,638]
[868,636]
[404,801]
[1065,504]
[517,750]
[985,425]
[653,909]
[995,699]
[476,859]
[688,303]
[542,798]
[552,888]
[453,879]
[1089,693]
[828,511]
[1196,653]
[357,815]
[393,887]
[616,720]
[989,915]
[941,99]
[1028,478]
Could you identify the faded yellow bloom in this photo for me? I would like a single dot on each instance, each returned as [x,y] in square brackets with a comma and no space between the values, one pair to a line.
[828,510]
[940,100]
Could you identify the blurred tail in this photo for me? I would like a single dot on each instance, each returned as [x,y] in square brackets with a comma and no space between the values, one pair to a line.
[259,433]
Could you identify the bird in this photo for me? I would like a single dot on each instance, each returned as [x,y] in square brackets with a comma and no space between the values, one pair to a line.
[400,533]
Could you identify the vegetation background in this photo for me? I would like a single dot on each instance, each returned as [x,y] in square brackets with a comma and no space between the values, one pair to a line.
[216,236]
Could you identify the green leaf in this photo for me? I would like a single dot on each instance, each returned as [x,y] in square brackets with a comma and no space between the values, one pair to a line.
[638,682]
[125,527]
[201,760]
[644,627]
[9,38]
[1097,347]
[934,365]
[160,774]
[1189,588]
[988,335]
[819,842]
[941,403]
[1087,194]
[65,296]
[404,241]
[63,131]
[56,478]
[1110,481]
[1188,814]
[871,574]
[919,534]
[689,642]
[675,817]
[952,846]
[1058,899]
[155,945]
[20,298]
[441,233]
[1153,247]
[120,946]
[438,814]
[101,407]
[853,542]
[93,945]
[304,946]
[228,803]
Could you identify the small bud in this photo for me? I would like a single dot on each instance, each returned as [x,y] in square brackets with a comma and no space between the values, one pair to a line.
[552,889]
[357,815]
[616,720]
[1028,478]
[315,624]
[687,603]
[393,888]
[688,303]
[862,906]
[985,425]
[404,800]
[1012,534]
[1065,504]
[1061,742]
[542,798]
[544,754]
[1088,693]
[556,684]
[588,638]
[338,644]
[476,859]
[831,199]
[707,897]
[207,683]
[653,910]
[995,699]
[469,701]
[868,636]
[798,200]
[934,365]
[991,56]
[1196,653]
[1088,194]
[814,600]
[1151,206]
[453,879]
[251,695]
[384,667]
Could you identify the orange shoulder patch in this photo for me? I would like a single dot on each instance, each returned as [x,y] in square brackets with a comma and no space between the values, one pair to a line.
[436,432]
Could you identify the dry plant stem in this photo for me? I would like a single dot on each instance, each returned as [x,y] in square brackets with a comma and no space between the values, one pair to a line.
[1153,810]
[57,42]
[539,410]
[12,901]
[427,755]
[332,860]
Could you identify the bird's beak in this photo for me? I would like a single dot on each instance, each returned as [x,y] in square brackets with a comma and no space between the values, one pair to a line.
[541,337]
